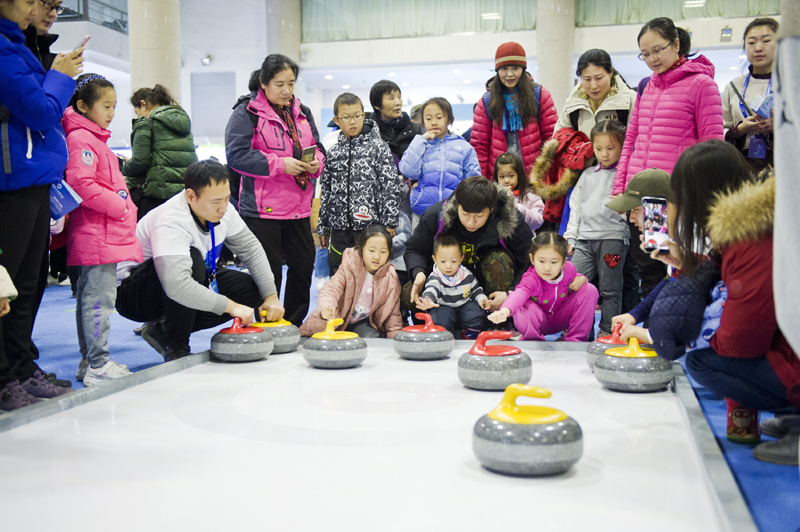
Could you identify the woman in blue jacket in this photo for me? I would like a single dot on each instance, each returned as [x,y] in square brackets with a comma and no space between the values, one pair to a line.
[438,160]
[33,157]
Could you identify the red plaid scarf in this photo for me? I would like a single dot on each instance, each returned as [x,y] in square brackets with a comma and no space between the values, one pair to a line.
[285,114]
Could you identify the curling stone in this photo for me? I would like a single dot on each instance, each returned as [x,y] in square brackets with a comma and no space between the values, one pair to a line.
[285,335]
[241,344]
[424,342]
[599,346]
[527,440]
[494,367]
[633,369]
[332,349]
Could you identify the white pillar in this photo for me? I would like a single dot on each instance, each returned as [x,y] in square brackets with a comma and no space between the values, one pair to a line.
[283,28]
[155,44]
[555,47]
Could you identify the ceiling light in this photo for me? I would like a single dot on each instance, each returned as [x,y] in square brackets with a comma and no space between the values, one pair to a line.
[405,84]
[328,77]
[456,71]
[206,60]
[392,74]
[467,81]
[345,86]
[694,3]
[495,16]
[734,68]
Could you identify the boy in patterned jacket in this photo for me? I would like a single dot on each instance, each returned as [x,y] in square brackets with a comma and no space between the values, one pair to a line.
[359,186]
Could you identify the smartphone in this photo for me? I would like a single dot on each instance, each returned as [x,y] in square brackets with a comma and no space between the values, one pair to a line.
[83,42]
[656,230]
[308,154]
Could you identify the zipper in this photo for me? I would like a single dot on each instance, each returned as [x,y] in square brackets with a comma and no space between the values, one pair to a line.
[555,298]
[441,172]
[29,155]
[349,168]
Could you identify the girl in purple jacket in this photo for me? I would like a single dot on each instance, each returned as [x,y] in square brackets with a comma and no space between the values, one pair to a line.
[551,296]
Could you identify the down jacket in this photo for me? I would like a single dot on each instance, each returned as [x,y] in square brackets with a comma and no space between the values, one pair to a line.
[342,292]
[678,109]
[489,140]
[256,142]
[359,186]
[36,102]
[438,166]
[159,161]
[620,98]
[740,226]
[102,230]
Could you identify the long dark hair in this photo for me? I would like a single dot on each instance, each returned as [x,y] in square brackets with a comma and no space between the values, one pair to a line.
[527,100]
[156,97]
[667,29]
[523,184]
[702,173]
[369,232]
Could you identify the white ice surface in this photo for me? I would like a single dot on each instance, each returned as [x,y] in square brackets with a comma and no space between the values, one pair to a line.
[277,445]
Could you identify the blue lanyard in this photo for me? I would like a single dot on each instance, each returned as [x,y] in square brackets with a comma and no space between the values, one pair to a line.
[744,91]
[213,251]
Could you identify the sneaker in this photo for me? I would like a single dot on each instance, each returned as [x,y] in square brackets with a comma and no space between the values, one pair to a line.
[174,353]
[105,373]
[13,396]
[65,282]
[83,365]
[156,337]
[779,426]
[53,379]
[782,452]
[742,423]
[51,280]
[40,387]
[138,330]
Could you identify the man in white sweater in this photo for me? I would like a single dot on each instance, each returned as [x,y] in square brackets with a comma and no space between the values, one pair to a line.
[179,280]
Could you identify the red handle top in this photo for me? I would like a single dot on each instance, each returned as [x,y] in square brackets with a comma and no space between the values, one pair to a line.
[427,327]
[614,338]
[237,328]
[480,348]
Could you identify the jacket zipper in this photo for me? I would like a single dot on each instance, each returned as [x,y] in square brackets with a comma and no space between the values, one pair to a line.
[441,172]
[29,155]
[349,168]
[555,298]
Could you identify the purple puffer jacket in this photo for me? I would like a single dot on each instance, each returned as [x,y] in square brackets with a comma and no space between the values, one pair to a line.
[257,153]
[677,110]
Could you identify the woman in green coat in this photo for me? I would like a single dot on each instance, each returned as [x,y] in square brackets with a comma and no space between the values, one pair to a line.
[163,147]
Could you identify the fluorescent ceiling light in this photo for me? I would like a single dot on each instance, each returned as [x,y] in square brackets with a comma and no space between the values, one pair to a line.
[404,84]
[392,74]
[467,81]
[495,16]
[345,86]
[456,71]
[328,77]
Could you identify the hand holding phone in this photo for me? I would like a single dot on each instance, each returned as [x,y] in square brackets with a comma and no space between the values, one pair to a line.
[308,154]
[656,230]
[83,42]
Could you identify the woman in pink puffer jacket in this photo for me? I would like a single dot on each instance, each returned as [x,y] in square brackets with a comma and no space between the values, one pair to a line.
[680,105]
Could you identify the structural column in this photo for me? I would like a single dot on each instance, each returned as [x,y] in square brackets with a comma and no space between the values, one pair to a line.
[555,47]
[283,29]
[155,44]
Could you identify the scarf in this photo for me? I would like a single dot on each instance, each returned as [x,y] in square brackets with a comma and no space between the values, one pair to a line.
[511,119]
[455,280]
[286,116]
[677,64]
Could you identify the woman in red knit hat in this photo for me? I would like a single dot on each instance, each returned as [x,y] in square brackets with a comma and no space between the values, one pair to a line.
[516,115]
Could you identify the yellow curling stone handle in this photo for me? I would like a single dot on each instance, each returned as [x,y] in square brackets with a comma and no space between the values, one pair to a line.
[508,411]
[330,332]
[268,324]
[632,351]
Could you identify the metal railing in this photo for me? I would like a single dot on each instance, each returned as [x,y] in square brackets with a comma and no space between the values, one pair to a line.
[98,12]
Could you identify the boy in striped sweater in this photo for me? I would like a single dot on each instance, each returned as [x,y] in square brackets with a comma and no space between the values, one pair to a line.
[452,295]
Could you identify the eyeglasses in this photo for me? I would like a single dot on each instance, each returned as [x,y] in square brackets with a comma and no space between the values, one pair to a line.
[354,118]
[645,57]
[50,6]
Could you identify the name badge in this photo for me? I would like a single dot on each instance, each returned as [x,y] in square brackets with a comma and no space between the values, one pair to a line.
[758,147]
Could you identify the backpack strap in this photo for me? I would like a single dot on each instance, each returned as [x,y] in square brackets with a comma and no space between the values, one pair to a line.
[642,85]
[749,111]
[537,97]
[486,106]
[4,116]
[573,119]
[622,116]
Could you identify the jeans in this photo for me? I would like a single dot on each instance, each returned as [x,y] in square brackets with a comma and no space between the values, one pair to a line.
[470,315]
[97,293]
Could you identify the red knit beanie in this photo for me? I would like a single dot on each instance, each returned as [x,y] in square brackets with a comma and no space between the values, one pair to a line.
[510,54]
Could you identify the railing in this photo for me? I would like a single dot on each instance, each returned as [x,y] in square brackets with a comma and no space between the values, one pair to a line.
[110,16]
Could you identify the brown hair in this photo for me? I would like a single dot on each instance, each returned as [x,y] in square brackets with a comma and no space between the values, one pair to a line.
[523,184]
[612,127]
[155,97]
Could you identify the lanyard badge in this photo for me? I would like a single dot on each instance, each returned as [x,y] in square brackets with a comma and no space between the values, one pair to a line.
[758,143]
[213,276]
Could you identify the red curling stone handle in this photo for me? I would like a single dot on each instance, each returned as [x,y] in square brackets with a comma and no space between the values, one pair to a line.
[427,327]
[480,348]
[237,328]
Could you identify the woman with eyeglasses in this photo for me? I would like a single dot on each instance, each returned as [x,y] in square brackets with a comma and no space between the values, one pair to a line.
[272,141]
[679,106]
[32,158]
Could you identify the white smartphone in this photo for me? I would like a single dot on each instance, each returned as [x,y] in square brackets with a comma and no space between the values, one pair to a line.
[83,42]
[656,230]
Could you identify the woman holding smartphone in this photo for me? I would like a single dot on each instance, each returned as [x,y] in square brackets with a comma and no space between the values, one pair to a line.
[265,142]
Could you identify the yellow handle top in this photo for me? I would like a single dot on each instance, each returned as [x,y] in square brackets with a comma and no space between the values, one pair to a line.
[508,411]
[632,351]
[269,324]
[330,332]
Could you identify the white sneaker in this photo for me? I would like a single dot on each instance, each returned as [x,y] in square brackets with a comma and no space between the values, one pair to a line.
[65,282]
[110,371]
[83,365]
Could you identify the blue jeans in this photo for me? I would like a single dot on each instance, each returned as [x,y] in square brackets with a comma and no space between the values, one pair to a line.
[470,315]
[749,381]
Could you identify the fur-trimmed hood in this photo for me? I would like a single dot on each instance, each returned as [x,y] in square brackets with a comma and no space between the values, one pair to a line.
[541,169]
[505,213]
[747,213]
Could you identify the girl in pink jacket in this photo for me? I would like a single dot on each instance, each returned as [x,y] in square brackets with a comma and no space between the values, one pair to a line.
[509,172]
[102,230]
[551,296]
[680,105]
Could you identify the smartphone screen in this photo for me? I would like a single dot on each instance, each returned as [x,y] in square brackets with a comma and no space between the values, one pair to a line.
[83,42]
[308,154]
[656,230]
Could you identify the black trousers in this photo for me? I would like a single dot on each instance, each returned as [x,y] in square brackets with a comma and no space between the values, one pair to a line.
[651,271]
[141,298]
[340,241]
[289,239]
[147,204]
[24,230]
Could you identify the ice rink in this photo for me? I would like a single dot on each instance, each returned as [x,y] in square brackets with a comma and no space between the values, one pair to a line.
[278,445]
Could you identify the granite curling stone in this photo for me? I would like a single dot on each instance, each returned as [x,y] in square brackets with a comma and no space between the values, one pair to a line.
[527,440]
[424,342]
[494,367]
[633,369]
[285,335]
[332,349]
[241,344]
[599,346]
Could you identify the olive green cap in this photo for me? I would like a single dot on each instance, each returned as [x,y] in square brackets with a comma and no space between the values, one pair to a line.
[651,182]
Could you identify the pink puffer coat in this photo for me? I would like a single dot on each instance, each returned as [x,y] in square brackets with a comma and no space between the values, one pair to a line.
[677,110]
[489,140]
[99,230]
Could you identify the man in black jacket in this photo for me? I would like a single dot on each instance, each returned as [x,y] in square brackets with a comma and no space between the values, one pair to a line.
[495,240]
